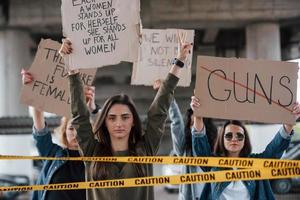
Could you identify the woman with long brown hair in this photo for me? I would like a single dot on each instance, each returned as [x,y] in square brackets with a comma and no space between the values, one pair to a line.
[117,132]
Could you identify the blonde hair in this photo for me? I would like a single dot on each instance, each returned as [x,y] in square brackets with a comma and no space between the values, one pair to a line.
[61,131]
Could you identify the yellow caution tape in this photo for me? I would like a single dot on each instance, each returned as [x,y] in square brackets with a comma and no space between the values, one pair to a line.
[219,176]
[256,163]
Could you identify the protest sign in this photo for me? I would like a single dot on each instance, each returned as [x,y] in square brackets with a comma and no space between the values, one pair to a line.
[158,49]
[102,32]
[49,90]
[261,91]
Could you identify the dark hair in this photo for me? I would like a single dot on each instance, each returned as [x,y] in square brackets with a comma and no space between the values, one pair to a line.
[219,145]
[211,130]
[99,169]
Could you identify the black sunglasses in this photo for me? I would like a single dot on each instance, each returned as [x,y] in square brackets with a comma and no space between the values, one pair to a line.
[239,136]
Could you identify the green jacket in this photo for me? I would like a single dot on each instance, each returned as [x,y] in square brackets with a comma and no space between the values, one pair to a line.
[148,146]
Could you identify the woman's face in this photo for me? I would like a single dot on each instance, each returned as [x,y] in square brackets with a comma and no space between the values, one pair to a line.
[119,121]
[234,139]
[71,136]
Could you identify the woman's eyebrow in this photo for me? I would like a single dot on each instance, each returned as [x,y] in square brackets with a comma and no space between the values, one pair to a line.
[125,114]
[113,114]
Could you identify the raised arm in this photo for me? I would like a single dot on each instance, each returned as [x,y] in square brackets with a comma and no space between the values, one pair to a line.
[282,139]
[184,49]
[37,116]
[157,113]
[38,119]
[296,112]
[40,131]
[200,142]
[198,120]
[177,124]
[177,129]
[93,108]
[80,111]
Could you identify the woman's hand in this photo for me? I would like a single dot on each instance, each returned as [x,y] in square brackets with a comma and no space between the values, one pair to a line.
[157,83]
[26,77]
[195,103]
[184,48]
[89,92]
[198,121]
[66,47]
[296,112]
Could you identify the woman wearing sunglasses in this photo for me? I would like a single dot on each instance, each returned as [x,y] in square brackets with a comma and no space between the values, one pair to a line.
[233,141]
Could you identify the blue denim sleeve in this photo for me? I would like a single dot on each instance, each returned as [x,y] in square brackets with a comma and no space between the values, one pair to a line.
[44,142]
[177,129]
[200,143]
[277,146]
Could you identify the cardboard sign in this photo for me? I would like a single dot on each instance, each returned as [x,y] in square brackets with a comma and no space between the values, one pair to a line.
[158,49]
[261,91]
[50,89]
[102,32]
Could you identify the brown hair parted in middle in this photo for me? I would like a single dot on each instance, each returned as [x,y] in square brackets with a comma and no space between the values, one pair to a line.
[219,148]
[99,169]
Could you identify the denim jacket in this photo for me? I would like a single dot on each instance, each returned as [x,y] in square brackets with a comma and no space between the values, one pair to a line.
[260,189]
[186,191]
[47,148]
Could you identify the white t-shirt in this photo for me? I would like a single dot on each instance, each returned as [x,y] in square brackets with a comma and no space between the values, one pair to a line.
[198,188]
[235,190]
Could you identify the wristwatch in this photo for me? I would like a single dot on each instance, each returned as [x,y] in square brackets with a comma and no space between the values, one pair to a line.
[178,63]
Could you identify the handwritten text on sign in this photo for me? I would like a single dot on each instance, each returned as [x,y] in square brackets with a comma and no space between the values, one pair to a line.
[158,49]
[101,28]
[101,23]
[50,90]
[262,91]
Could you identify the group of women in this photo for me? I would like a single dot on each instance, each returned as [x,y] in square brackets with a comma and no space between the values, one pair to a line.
[117,131]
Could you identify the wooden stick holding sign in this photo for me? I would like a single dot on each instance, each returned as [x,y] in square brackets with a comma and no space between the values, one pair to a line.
[50,89]
[261,91]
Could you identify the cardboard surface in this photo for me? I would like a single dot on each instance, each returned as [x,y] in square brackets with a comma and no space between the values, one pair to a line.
[158,49]
[50,89]
[261,91]
[102,32]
